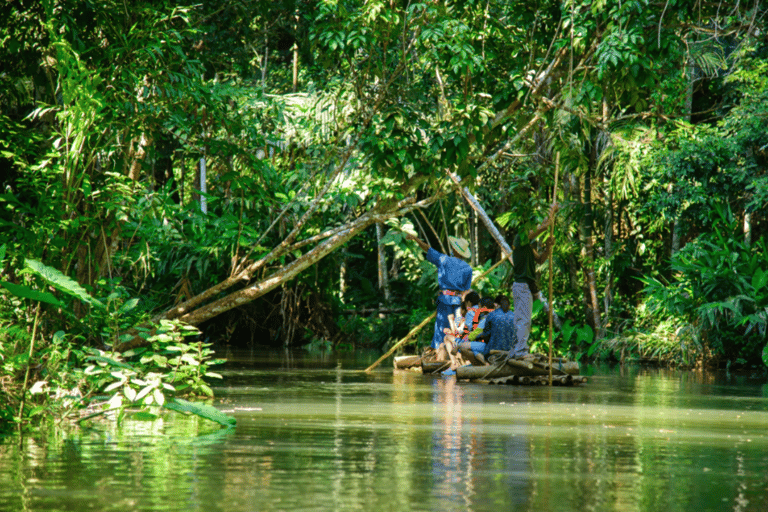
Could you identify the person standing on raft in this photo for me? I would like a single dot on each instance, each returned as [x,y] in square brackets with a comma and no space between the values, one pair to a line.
[454,276]
[524,289]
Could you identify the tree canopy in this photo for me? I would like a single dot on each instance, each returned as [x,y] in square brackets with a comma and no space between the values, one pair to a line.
[318,121]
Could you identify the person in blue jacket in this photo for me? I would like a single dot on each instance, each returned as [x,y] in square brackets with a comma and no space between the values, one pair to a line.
[498,333]
[454,276]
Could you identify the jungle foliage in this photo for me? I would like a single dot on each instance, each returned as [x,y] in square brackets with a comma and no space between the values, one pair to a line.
[318,121]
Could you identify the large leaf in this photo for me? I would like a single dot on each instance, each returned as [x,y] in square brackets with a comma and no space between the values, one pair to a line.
[203,410]
[25,292]
[61,282]
[110,361]
[760,279]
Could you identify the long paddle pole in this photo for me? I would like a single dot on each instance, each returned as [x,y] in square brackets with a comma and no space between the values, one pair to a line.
[490,226]
[424,322]
[552,241]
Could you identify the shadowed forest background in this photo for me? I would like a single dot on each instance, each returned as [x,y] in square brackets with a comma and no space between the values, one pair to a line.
[322,125]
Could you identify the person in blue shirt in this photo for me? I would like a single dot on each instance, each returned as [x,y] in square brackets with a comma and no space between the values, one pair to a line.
[497,332]
[500,332]
[454,276]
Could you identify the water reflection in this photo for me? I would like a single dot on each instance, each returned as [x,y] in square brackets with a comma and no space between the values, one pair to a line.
[464,454]
[327,437]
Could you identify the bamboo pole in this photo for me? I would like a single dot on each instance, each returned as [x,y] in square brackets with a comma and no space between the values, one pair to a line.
[475,204]
[424,322]
[489,224]
[26,372]
[552,241]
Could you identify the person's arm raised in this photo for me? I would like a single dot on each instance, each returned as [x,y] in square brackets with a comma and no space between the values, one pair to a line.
[532,234]
[424,246]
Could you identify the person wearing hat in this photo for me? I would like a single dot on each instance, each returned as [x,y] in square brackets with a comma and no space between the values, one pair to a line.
[454,276]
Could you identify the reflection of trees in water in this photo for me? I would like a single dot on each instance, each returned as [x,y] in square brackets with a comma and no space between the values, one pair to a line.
[469,459]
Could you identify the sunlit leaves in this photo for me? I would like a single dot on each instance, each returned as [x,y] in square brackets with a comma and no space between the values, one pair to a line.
[719,288]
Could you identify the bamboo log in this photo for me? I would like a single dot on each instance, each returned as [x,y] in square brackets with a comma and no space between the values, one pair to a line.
[434,366]
[524,365]
[550,369]
[397,345]
[482,372]
[404,362]
[512,379]
[512,367]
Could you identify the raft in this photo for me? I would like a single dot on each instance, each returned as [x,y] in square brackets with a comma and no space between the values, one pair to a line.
[532,369]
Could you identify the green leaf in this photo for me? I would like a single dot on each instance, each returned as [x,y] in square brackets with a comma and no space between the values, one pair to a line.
[129,393]
[204,411]
[110,362]
[133,351]
[60,281]
[207,390]
[585,334]
[760,279]
[158,396]
[189,358]
[25,292]
[128,306]
[765,355]
[144,416]
[144,392]
[568,331]
[113,386]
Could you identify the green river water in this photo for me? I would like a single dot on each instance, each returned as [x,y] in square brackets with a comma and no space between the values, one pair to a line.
[316,434]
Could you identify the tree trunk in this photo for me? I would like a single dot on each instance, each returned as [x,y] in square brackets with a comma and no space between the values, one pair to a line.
[295,49]
[572,190]
[588,244]
[290,271]
[189,313]
[608,246]
[690,75]
[264,65]
[608,227]
[343,279]
[747,229]
[382,263]
[475,239]
[676,229]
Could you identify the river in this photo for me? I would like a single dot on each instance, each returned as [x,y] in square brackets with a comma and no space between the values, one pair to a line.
[314,433]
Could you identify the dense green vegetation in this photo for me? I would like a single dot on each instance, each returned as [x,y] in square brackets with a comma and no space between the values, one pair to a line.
[320,124]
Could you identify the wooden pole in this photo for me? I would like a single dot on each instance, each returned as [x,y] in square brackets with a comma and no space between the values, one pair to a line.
[26,372]
[473,202]
[397,345]
[424,322]
[552,241]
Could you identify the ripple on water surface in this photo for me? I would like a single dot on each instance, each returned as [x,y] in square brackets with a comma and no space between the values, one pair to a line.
[337,439]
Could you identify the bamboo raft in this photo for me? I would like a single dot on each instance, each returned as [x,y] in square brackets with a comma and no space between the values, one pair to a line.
[532,369]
